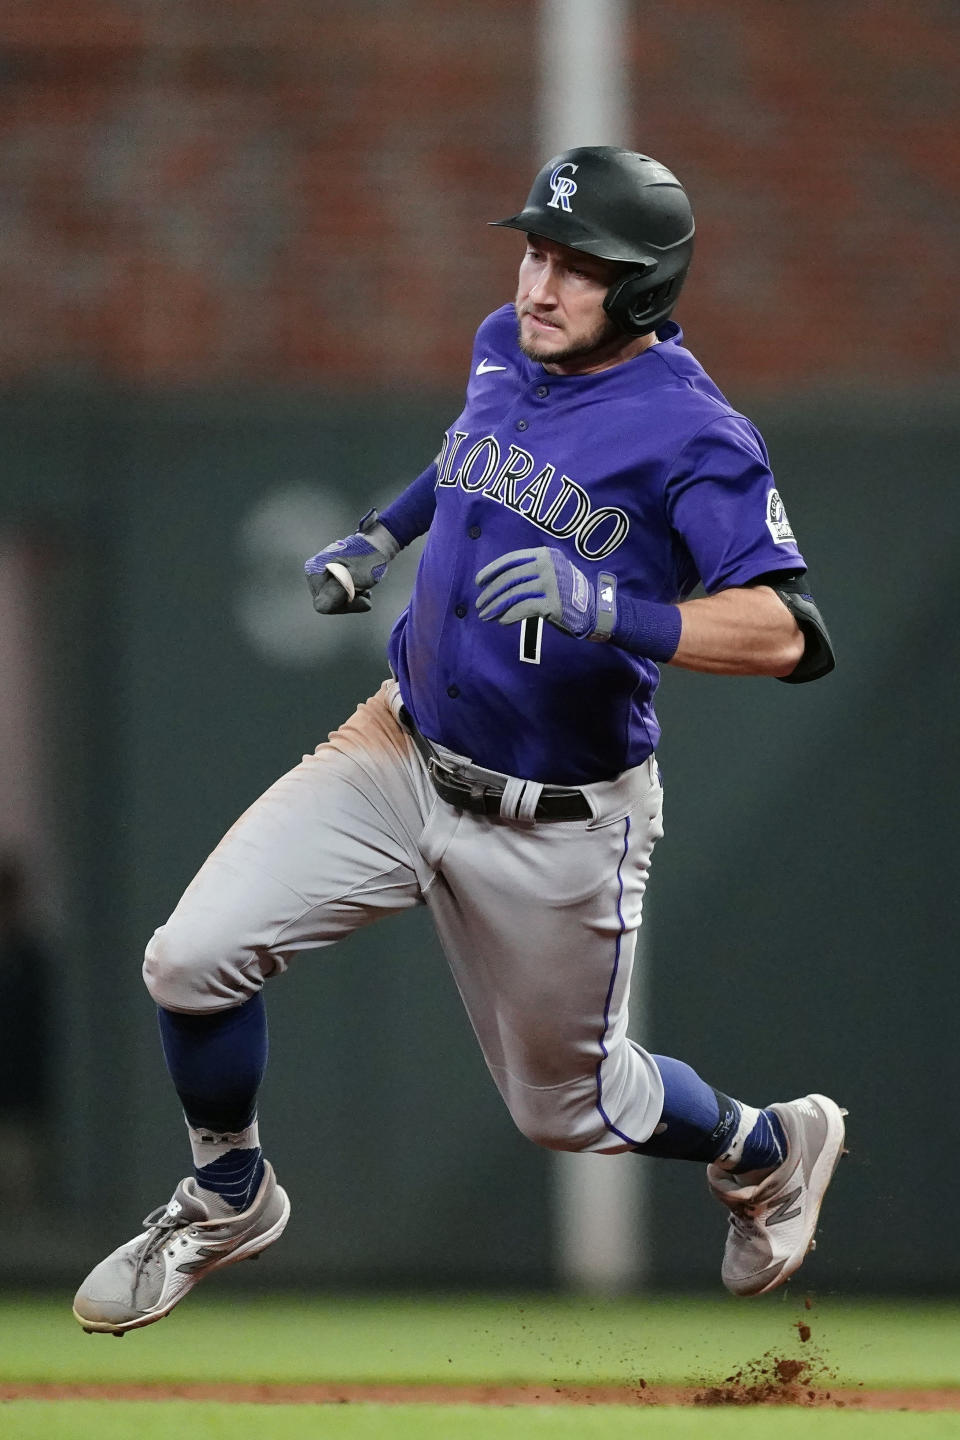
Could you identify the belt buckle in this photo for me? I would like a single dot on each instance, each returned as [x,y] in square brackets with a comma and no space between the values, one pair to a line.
[446,780]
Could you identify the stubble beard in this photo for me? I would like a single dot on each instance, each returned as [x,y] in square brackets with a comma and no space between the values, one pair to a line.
[599,338]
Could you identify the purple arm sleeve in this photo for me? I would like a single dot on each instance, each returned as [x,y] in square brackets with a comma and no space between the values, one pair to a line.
[411,513]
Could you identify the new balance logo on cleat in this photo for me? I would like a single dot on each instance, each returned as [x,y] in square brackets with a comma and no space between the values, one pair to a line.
[783,1211]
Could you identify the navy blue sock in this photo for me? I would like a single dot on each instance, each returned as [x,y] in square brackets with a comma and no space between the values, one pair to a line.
[234,1174]
[216,1063]
[703,1124]
[766,1145]
[697,1121]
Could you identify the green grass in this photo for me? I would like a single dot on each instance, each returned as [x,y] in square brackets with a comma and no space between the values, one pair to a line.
[224,1337]
[496,1340]
[178,1420]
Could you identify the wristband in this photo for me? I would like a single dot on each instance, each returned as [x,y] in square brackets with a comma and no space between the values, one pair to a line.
[646,627]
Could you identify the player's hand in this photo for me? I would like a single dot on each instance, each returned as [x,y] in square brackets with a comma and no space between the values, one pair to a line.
[541,582]
[342,575]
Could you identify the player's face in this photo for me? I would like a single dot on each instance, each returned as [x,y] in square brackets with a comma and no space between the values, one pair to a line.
[560,317]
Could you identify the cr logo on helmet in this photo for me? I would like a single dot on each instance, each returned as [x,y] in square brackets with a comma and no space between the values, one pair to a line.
[563,186]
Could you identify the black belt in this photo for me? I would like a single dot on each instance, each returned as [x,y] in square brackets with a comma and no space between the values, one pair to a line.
[555,803]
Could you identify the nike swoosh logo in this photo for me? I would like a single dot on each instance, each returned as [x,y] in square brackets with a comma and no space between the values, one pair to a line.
[484,368]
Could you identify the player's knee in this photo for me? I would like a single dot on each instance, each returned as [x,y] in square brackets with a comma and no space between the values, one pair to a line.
[188,971]
[173,971]
[557,1121]
[553,1137]
[579,1116]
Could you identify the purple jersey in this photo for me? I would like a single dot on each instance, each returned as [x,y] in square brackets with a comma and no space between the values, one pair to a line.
[643,470]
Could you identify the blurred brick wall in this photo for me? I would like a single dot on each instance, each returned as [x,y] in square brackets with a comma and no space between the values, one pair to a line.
[821,143]
[227,191]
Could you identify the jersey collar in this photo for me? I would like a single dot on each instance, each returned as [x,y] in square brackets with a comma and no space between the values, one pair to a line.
[632,374]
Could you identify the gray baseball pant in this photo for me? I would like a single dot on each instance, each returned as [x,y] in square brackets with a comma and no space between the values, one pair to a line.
[538,920]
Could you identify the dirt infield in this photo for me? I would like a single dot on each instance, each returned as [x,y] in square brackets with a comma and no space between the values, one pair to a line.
[728,1392]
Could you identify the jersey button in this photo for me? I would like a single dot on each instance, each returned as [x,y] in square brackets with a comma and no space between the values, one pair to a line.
[453,691]
[521,424]
[460,611]
[543,391]
[474,532]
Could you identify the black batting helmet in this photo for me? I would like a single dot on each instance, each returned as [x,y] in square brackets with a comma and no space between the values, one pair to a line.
[617,205]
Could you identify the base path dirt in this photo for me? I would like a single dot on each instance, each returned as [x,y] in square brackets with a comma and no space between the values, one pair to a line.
[725,1393]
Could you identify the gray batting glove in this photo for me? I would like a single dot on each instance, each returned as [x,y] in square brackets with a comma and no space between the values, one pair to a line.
[361,559]
[526,583]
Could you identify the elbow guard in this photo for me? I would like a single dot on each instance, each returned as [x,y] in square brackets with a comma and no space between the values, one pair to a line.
[818,657]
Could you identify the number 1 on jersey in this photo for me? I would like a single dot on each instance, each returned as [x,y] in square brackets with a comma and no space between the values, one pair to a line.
[531,634]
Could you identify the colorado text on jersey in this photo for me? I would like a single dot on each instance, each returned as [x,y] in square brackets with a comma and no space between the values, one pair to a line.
[560,508]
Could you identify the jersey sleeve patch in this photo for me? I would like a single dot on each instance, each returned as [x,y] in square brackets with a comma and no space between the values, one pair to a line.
[777,522]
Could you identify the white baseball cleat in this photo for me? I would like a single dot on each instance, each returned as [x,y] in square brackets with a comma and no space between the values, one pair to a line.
[772,1222]
[142,1280]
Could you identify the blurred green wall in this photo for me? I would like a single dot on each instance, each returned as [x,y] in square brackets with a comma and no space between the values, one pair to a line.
[800,921]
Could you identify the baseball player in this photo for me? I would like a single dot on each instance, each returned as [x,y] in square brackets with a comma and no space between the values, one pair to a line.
[504,775]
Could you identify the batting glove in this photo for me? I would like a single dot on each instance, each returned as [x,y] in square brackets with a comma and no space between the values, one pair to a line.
[528,583]
[364,556]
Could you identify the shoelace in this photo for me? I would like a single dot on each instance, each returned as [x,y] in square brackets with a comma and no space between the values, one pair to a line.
[160,1224]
